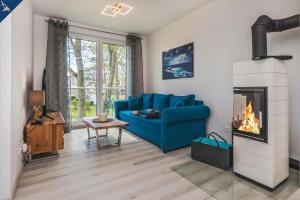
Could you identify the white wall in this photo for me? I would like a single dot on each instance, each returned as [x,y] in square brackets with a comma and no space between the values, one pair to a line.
[40,28]
[221,32]
[5,105]
[16,79]
[22,78]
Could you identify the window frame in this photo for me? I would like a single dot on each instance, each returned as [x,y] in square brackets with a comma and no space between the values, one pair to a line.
[100,40]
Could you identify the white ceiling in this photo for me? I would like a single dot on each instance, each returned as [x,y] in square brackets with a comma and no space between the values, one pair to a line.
[146,17]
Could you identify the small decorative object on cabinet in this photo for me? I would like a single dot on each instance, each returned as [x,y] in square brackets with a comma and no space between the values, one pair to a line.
[48,137]
[36,99]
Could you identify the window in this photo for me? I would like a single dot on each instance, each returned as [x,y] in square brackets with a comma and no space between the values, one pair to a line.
[97,76]
[114,73]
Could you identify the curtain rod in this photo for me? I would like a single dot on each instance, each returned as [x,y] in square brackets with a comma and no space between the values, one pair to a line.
[91,29]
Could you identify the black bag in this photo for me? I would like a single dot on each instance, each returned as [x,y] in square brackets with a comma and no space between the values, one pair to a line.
[213,152]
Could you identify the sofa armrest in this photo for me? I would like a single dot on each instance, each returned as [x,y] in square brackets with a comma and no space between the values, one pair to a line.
[174,115]
[180,126]
[120,106]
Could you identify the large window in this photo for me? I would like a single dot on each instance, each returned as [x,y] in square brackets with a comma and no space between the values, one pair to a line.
[97,76]
[114,73]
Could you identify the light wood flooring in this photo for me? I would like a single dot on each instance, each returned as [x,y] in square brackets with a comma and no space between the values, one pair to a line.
[136,170]
[295,196]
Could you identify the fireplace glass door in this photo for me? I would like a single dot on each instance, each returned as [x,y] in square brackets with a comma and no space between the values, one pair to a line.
[250,113]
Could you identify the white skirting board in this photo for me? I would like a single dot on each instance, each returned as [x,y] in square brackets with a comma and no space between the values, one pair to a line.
[265,163]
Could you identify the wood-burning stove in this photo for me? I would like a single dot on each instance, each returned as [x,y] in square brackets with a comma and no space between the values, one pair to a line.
[260,121]
[250,113]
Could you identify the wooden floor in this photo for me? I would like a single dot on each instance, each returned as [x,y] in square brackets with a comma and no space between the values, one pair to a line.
[136,170]
[295,196]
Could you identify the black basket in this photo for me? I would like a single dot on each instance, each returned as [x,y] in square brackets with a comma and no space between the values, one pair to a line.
[213,155]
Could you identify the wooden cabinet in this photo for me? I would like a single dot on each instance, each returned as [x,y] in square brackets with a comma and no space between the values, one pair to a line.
[48,137]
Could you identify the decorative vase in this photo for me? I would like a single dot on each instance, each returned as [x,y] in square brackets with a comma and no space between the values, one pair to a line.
[102,117]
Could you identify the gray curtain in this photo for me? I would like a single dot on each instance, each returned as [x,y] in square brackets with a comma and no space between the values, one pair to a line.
[135,65]
[56,77]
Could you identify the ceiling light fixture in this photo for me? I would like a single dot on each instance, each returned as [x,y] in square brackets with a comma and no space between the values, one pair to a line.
[117,9]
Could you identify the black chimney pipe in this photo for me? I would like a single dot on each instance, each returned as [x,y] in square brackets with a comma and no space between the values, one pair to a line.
[264,25]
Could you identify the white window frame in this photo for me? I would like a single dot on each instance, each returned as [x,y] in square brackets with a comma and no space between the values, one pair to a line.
[99,61]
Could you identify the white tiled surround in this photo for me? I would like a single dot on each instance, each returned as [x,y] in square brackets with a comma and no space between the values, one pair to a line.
[267,164]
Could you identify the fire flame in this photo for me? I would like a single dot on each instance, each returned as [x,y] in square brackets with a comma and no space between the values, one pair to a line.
[250,122]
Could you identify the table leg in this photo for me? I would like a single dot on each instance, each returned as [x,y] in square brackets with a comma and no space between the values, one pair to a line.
[98,140]
[119,136]
[106,132]
[88,131]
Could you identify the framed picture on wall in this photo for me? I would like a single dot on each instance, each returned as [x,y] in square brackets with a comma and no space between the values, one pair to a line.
[178,63]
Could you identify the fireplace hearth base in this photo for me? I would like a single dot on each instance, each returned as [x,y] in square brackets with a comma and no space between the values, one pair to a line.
[259,184]
[266,163]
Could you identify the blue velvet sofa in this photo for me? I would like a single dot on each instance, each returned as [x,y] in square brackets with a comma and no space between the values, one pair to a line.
[177,126]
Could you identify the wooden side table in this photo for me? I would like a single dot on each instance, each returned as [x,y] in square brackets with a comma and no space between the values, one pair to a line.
[47,137]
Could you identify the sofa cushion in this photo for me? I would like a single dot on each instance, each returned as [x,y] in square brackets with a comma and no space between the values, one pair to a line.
[197,103]
[148,101]
[161,101]
[150,124]
[135,103]
[188,100]
[177,104]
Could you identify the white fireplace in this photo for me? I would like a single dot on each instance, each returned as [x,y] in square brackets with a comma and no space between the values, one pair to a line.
[260,121]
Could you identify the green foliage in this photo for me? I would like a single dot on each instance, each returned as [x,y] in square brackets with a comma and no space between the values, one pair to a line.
[89,113]
[74,103]
[114,71]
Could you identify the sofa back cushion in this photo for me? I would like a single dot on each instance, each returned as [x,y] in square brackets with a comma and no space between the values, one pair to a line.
[135,103]
[161,101]
[198,103]
[188,100]
[148,101]
[179,103]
